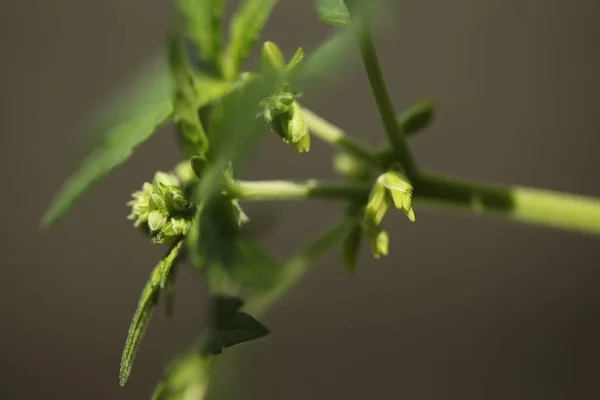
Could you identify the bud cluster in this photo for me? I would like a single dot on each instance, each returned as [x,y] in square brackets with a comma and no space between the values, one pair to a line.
[161,209]
[281,110]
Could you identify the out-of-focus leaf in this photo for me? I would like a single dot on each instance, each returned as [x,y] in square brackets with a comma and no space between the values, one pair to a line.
[245,27]
[137,113]
[351,248]
[202,21]
[417,117]
[333,12]
[186,378]
[230,326]
[191,131]
[146,303]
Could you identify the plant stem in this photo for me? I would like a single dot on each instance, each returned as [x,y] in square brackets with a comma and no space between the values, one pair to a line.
[384,103]
[333,135]
[290,190]
[520,204]
[297,266]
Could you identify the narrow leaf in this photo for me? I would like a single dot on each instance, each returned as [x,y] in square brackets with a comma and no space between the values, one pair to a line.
[135,115]
[245,27]
[333,12]
[202,21]
[232,326]
[146,303]
[417,117]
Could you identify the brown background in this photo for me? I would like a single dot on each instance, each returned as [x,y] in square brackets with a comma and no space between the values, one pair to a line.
[462,309]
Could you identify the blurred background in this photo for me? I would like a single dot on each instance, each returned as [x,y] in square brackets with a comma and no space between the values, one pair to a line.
[463,308]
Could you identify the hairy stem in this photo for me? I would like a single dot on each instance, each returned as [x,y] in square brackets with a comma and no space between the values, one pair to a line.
[384,103]
[290,190]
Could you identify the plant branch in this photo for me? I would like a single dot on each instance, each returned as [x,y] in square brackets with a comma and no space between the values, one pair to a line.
[292,190]
[333,135]
[515,203]
[384,103]
[297,266]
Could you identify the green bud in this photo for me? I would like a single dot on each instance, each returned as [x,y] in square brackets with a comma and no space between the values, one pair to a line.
[378,241]
[157,202]
[156,220]
[294,63]
[417,117]
[350,167]
[272,59]
[199,165]
[166,179]
[288,122]
[184,172]
[401,191]
[377,205]
[162,209]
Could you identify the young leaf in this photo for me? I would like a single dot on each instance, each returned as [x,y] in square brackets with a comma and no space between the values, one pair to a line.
[189,126]
[124,126]
[230,326]
[417,117]
[120,142]
[202,21]
[333,12]
[245,27]
[146,303]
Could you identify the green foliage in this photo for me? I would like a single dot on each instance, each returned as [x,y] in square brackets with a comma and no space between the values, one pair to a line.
[148,300]
[202,23]
[333,12]
[230,326]
[220,114]
[245,28]
[417,117]
[187,377]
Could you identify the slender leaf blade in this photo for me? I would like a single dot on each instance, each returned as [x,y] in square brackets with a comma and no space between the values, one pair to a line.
[245,27]
[333,12]
[202,22]
[135,116]
[145,308]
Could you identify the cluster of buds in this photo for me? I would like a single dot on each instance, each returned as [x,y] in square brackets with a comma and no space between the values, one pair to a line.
[391,187]
[281,110]
[161,209]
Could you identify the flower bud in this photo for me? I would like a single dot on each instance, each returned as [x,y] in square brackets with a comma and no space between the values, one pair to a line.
[378,241]
[161,209]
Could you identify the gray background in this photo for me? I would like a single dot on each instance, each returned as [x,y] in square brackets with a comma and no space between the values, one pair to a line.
[463,308]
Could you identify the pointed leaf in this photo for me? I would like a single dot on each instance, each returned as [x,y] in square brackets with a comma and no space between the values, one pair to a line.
[231,326]
[417,117]
[245,27]
[202,21]
[146,303]
[333,12]
[126,124]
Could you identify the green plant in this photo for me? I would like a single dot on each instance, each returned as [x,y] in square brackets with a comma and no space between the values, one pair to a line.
[219,112]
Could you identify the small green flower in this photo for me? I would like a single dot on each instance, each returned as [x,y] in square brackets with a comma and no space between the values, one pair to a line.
[391,187]
[161,209]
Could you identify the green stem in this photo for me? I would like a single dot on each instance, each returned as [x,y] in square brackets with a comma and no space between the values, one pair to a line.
[384,103]
[514,203]
[297,266]
[290,190]
[333,135]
